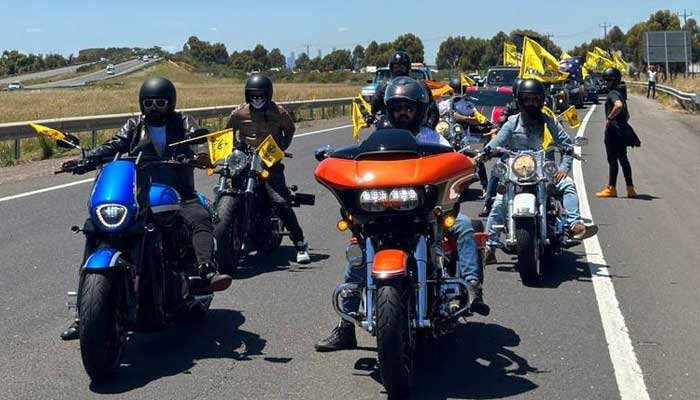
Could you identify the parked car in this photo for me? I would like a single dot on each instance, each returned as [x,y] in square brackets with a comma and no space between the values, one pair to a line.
[490,101]
[501,76]
[577,92]
[15,85]
[418,71]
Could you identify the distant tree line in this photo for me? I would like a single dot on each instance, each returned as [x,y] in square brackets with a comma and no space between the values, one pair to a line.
[13,62]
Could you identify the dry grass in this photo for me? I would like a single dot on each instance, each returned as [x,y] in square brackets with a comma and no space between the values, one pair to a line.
[120,95]
[689,84]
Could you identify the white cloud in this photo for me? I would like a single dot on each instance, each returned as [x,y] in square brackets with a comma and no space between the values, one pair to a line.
[33,30]
[343,29]
[213,29]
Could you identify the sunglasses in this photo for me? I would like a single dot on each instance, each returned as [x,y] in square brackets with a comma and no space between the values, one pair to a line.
[159,104]
[403,106]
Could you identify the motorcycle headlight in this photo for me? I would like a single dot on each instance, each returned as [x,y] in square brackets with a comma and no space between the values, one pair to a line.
[355,255]
[500,170]
[400,199]
[111,215]
[550,168]
[442,128]
[458,128]
[524,166]
[237,160]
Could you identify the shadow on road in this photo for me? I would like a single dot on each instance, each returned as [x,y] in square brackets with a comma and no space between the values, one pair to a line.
[281,259]
[176,350]
[474,361]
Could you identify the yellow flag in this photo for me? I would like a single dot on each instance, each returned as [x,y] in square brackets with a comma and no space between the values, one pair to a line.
[571,117]
[547,138]
[600,52]
[564,56]
[220,145]
[584,72]
[480,118]
[538,64]
[365,104]
[465,80]
[270,152]
[619,63]
[510,55]
[547,111]
[597,63]
[48,132]
[357,121]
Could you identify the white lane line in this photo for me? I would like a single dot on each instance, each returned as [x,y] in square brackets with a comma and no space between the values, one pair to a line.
[65,185]
[44,190]
[628,373]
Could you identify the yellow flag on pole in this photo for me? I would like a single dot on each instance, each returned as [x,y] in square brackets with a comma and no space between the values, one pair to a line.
[597,63]
[600,52]
[547,138]
[220,145]
[571,117]
[510,55]
[466,80]
[358,122]
[619,63]
[365,105]
[48,132]
[270,152]
[538,64]
[564,56]
[480,118]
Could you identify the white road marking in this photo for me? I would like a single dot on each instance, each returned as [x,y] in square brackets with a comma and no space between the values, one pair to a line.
[65,185]
[628,373]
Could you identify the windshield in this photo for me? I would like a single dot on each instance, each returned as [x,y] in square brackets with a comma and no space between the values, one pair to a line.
[501,77]
[491,98]
[385,74]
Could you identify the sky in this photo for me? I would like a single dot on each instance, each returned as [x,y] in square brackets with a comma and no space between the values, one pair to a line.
[60,26]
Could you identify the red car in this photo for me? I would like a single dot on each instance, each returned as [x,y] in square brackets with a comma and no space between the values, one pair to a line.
[490,100]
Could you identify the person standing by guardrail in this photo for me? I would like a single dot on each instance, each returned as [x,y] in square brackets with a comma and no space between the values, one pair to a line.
[651,82]
[618,136]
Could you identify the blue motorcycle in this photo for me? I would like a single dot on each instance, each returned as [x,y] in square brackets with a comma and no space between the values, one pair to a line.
[139,268]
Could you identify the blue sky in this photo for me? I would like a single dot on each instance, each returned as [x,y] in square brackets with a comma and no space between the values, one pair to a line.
[67,26]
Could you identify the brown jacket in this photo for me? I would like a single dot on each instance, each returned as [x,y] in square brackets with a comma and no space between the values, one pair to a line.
[254,127]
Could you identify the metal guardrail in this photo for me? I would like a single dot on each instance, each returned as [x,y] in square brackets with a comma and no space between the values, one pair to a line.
[686,100]
[21,130]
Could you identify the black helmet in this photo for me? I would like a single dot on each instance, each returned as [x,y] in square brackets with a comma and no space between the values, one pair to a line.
[405,89]
[259,83]
[531,86]
[402,58]
[612,77]
[516,83]
[158,88]
[456,84]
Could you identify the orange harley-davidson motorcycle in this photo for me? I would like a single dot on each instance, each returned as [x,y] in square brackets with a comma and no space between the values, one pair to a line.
[399,197]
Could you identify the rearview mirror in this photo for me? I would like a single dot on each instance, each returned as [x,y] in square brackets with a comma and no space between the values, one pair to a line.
[581,141]
[323,152]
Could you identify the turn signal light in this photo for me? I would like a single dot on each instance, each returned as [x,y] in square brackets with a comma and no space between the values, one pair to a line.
[210,171]
[265,174]
[449,221]
[342,225]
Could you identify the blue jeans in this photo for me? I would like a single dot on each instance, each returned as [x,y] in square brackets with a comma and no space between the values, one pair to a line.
[467,261]
[491,190]
[565,188]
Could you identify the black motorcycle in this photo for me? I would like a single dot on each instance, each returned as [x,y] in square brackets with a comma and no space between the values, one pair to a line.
[246,220]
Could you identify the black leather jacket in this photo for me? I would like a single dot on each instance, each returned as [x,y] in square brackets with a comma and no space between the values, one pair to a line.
[133,138]
[378,105]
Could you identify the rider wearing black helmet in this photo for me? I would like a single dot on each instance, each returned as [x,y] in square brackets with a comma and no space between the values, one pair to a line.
[400,65]
[456,85]
[151,134]
[526,131]
[254,121]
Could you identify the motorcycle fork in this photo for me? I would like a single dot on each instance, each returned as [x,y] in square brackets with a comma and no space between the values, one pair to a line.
[542,200]
[510,193]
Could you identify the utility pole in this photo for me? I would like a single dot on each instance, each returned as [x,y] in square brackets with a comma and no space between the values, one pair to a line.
[605,27]
[548,36]
[685,16]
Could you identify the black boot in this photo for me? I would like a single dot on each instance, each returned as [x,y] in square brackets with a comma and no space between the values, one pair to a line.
[342,337]
[73,331]
[476,296]
[212,280]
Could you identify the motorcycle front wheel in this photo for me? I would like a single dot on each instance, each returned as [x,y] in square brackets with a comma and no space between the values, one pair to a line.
[394,347]
[101,336]
[528,251]
[227,234]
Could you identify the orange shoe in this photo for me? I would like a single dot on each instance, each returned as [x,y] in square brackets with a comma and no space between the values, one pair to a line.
[608,191]
[631,193]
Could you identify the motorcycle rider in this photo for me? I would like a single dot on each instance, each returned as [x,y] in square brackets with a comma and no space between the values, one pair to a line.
[254,121]
[151,133]
[511,108]
[400,65]
[407,102]
[525,131]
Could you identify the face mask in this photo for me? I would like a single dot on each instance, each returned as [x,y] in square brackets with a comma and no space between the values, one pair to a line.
[155,118]
[257,103]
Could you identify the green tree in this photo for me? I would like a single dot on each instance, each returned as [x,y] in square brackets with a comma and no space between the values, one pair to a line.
[358,56]
[411,44]
[276,59]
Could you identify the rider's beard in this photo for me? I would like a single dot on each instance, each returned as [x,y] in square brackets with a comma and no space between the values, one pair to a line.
[533,113]
[403,121]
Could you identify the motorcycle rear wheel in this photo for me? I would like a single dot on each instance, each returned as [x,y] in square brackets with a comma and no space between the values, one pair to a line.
[394,347]
[101,337]
[528,252]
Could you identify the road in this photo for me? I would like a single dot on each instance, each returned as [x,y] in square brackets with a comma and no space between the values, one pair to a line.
[124,68]
[545,342]
[42,74]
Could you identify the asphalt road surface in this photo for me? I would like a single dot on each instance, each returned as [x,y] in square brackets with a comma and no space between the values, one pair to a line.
[41,74]
[124,68]
[546,342]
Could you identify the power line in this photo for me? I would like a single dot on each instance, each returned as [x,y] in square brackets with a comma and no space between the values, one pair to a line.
[685,16]
[605,27]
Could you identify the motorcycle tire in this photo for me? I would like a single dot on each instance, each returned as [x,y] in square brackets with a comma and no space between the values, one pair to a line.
[394,347]
[101,337]
[198,311]
[528,260]
[579,105]
[226,232]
